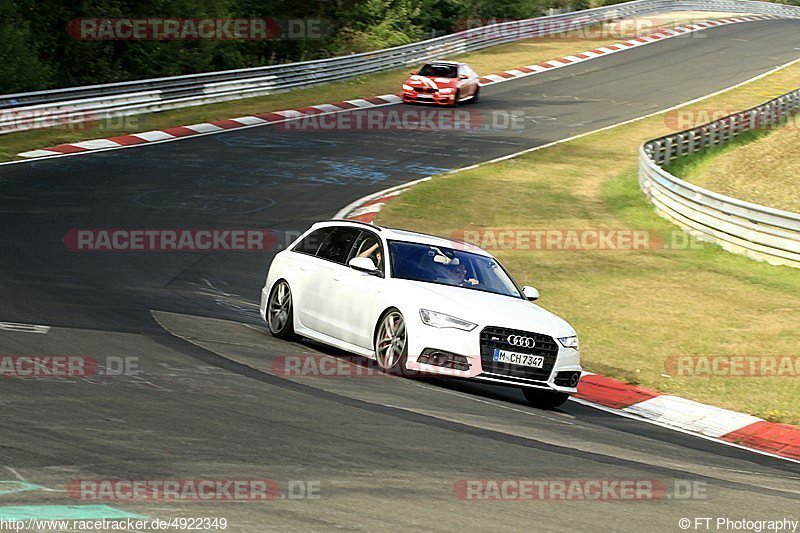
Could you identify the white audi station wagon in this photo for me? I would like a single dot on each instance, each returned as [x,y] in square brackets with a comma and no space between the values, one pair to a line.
[419,304]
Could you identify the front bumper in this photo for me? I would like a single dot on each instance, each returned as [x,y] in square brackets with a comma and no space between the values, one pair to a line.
[468,344]
[437,98]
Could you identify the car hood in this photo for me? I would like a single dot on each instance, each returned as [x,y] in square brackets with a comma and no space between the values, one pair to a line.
[484,308]
[433,83]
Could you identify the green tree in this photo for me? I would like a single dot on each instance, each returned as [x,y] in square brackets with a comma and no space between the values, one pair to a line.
[20,66]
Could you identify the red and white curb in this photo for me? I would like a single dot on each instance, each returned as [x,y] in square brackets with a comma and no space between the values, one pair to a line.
[367,208]
[692,417]
[714,423]
[219,126]
[207,128]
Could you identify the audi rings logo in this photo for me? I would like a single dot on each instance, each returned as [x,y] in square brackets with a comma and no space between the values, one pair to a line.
[518,340]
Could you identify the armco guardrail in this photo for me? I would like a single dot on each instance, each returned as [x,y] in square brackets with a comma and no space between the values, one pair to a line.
[741,227]
[77,104]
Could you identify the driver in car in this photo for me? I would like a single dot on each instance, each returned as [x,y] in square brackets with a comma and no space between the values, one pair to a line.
[457,275]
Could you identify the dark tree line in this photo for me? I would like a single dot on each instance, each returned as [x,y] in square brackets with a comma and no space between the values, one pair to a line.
[37,52]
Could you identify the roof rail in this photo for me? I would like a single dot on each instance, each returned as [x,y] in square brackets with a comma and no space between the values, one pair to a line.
[452,239]
[369,224]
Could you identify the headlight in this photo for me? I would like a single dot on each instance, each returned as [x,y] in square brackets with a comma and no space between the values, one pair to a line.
[440,320]
[569,342]
[407,87]
[447,90]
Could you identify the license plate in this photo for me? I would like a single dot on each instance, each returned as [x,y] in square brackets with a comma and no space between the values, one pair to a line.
[522,359]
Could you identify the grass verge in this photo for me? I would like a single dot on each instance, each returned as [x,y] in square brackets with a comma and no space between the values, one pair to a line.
[634,310]
[491,60]
[759,167]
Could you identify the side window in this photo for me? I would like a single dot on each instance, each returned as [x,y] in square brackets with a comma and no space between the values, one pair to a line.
[368,245]
[337,244]
[311,242]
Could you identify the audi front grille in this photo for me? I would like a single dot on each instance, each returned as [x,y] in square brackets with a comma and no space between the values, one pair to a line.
[493,337]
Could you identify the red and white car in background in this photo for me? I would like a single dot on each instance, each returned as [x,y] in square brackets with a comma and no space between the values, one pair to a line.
[443,83]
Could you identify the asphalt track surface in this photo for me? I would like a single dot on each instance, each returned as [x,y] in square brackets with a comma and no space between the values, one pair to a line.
[386,452]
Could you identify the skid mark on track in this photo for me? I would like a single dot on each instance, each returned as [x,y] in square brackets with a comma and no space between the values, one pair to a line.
[214,203]
[228,300]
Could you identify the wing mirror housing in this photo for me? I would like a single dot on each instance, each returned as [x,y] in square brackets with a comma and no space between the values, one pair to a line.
[531,293]
[413,72]
[364,264]
[464,77]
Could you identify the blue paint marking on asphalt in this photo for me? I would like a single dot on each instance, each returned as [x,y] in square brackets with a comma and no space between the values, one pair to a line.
[12,487]
[370,170]
[347,170]
[63,512]
[424,170]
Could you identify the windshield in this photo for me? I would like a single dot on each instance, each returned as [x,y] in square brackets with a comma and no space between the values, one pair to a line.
[439,71]
[446,266]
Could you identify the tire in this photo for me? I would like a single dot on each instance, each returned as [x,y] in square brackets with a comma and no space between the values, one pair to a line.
[280,311]
[476,96]
[544,399]
[391,343]
[457,99]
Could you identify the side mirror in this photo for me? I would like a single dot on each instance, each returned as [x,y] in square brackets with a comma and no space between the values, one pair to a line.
[530,293]
[413,72]
[464,77]
[363,264]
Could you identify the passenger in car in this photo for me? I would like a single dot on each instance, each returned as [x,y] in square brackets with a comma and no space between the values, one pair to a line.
[371,249]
